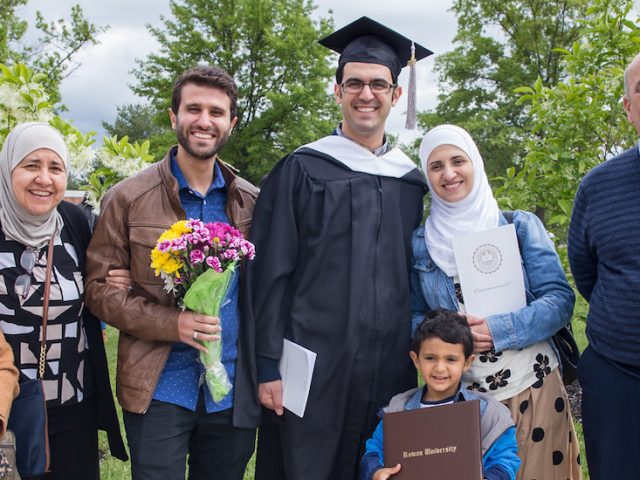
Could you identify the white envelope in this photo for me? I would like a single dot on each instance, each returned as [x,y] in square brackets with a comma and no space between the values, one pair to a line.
[296,371]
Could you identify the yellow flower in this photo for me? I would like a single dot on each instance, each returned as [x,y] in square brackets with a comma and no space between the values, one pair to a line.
[158,259]
[164,262]
[167,262]
[177,229]
[172,266]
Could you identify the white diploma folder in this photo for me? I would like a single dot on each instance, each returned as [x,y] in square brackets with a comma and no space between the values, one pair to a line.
[490,271]
[296,370]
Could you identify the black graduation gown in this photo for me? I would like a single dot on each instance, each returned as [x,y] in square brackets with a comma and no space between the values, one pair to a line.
[331,274]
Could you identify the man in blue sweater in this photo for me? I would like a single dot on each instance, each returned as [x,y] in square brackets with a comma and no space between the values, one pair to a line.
[604,254]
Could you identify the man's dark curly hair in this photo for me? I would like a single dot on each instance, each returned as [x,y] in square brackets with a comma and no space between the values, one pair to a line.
[206,77]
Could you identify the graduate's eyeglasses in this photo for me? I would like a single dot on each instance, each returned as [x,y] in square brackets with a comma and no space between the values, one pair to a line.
[376,86]
[23,281]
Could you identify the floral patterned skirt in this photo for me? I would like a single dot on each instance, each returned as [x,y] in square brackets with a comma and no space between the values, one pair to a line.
[547,444]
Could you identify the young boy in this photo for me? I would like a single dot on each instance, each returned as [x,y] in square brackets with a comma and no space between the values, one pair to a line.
[442,350]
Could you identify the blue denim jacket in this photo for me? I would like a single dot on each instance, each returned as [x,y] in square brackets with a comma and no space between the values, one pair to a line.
[550,299]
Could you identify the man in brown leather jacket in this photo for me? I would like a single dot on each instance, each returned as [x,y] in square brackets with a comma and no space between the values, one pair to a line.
[168,413]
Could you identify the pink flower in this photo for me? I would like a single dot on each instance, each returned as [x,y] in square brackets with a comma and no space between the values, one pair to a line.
[197,237]
[179,244]
[164,245]
[194,224]
[230,254]
[248,250]
[214,262]
[196,256]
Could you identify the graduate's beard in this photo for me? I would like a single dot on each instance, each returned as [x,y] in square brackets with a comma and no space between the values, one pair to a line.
[202,155]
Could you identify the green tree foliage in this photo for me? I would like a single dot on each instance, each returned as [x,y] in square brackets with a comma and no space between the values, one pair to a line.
[12,28]
[500,45]
[578,122]
[53,53]
[270,48]
[135,122]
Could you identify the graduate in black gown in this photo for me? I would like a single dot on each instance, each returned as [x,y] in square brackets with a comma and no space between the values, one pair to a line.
[332,228]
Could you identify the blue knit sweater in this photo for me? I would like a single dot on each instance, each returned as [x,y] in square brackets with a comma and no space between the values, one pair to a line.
[604,254]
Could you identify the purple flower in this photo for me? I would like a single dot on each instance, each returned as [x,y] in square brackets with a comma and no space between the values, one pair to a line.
[214,262]
[164,245]
[200,234]
[195,238]
[248,249]
[194,224]
[230,254]
[179,244]
[196,256]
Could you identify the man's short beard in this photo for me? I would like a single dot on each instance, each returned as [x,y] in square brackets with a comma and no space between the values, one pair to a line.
[184,143]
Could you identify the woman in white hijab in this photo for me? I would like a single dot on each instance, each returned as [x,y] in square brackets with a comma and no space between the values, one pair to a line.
[33,180]
[516,361]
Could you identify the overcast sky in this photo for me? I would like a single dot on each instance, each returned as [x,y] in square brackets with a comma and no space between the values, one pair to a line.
[102,81]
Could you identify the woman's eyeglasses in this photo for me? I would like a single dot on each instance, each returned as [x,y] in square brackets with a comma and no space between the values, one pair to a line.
[23,281]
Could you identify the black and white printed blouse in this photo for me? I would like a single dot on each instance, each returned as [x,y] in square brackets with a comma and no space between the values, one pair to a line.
[67,378]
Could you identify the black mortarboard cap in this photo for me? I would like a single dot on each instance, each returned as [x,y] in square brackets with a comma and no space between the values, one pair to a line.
[368,41]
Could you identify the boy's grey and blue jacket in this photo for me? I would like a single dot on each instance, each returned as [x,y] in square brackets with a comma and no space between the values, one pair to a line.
[497,432]
[550,299]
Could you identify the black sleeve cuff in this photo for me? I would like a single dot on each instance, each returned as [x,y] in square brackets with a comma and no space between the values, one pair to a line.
[267,369]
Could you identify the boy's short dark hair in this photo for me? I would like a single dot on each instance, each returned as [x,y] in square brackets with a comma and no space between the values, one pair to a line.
[448,326]
[213,77]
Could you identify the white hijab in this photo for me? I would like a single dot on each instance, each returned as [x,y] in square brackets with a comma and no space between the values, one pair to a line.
[477,211]
[18,224]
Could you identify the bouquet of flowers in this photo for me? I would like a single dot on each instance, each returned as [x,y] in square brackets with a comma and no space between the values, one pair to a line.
[196,260]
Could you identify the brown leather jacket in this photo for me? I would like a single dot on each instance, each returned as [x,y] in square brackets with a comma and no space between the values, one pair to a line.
[133,215]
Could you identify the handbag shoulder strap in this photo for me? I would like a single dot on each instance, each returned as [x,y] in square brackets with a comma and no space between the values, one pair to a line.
[45,312]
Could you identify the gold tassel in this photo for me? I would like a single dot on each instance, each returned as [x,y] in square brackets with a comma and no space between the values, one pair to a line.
[411,94]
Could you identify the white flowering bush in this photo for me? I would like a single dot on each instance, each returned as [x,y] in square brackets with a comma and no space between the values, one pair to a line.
[22,98]
[115,160]
[79,146]
[124,158]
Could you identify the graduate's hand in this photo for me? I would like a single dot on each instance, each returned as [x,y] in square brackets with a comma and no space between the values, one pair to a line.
[385,473]
[119,278]
[194,328]
[482,339]
[270,395]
